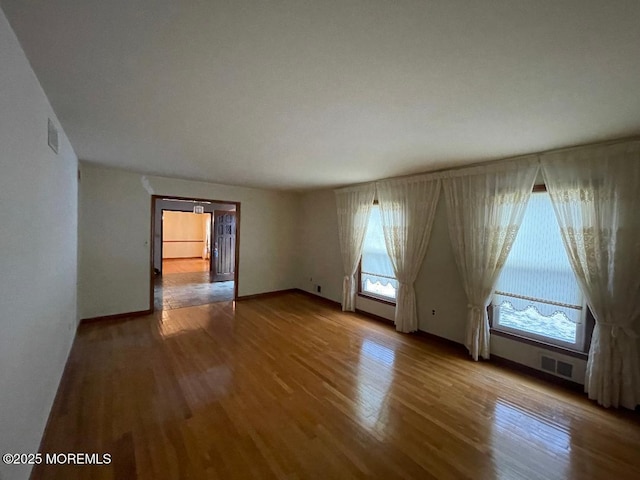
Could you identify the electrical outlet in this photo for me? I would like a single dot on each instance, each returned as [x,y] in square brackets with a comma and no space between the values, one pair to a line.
[318,289]
[433,312]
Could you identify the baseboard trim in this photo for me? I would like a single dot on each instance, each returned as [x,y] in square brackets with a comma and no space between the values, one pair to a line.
[56,398]
[375,317]
[432,337]
[274,293]
[183,258]
[508,364]
[117,316]
[532,372]
[325,300]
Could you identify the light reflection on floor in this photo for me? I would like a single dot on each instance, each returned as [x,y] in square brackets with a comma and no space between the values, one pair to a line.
[375,376]
[375,351]
[208,386]
[515,429]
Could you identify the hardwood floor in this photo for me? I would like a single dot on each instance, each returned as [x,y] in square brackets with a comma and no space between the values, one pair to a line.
[179,290]
[289,387]
[184,265]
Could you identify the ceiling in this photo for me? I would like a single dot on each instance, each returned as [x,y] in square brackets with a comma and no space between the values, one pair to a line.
[302,94]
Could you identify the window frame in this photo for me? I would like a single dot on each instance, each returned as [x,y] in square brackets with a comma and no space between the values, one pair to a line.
[589,325]
[584,330]
[369,295]
[578,346]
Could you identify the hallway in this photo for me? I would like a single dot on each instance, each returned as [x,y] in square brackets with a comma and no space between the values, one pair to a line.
[187,283]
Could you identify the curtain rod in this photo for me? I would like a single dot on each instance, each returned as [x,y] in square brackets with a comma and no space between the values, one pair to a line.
[498,161]
[603,143]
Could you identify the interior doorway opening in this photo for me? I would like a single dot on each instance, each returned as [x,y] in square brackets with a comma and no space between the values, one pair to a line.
[194,254]
[186,242]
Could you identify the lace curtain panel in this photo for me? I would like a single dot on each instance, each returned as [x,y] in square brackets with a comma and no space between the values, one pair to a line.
[596,197]
[408,208]
[485,207]
[353,207]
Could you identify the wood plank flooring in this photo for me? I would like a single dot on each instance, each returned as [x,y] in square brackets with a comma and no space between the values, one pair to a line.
[289,387]
[184,265]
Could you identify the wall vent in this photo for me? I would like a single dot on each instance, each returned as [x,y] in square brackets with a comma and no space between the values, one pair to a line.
[557,367]
[548,364]
[565,369]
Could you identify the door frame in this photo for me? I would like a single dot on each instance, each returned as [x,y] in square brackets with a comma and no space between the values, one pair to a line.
[154,199]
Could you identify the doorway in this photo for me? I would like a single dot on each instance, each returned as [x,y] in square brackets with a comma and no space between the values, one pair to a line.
[186,242]
[194,251]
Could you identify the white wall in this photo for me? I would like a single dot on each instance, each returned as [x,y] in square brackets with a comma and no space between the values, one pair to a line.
[115,211]
[113,249]
[320,262]
[438,285]
[183,234]
[38,239]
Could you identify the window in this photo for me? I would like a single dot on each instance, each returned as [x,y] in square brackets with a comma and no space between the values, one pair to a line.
[537,295]
[376,273]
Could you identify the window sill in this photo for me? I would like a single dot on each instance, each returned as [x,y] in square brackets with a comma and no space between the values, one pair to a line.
[547,346]
[376,299]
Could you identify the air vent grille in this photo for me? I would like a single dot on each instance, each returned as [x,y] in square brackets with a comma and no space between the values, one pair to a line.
[565,369]
[548,364]
[558,367]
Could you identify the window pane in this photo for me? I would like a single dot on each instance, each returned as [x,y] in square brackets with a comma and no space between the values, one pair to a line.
[537,291]
[557,326]
[377,273]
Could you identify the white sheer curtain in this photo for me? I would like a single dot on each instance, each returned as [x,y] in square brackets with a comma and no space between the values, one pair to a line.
[408,206]
[485,207]
[596,197]
[354,205]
